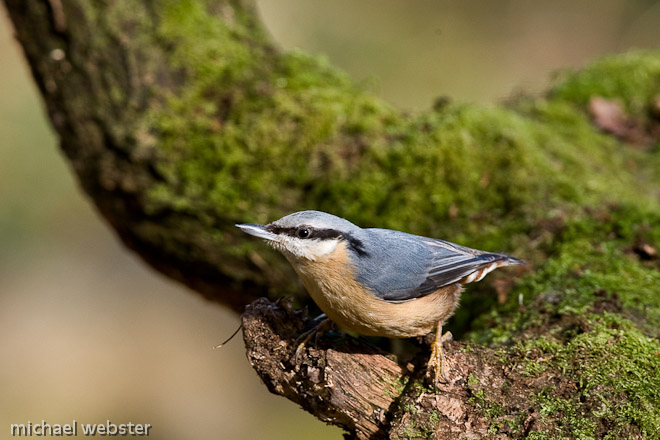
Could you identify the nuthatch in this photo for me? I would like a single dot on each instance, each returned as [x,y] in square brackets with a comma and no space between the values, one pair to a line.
[378,282]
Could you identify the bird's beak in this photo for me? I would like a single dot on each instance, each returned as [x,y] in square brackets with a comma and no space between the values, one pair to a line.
[256,230]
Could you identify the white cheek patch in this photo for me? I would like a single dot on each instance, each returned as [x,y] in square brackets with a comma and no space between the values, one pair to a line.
[318,248]
[310,249]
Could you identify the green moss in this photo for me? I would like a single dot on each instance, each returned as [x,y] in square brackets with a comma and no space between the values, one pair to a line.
[632,78]
[597,306]
[398,385]
[573,421]
[590,260]
[434,418]
[473,381]
[416,428]
[596,255]
[248,128]
[491,409]
[253,135]
[540,435]
[411,408]
[238,131]
[620,367]
[617,376]
[613,380]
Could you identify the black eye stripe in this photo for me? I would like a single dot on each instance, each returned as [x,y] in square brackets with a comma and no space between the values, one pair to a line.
[325,234]
[321,234]
[281,231]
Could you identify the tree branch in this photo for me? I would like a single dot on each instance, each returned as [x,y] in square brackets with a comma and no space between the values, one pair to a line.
[349,383]
[180,119]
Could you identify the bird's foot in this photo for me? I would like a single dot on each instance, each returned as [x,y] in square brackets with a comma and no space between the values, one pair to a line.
[437,360]
[321,323]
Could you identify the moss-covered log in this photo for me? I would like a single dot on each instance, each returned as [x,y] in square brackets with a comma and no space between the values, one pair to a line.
[180,118]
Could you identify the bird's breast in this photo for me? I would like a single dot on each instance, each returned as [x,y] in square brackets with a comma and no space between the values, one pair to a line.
[331,283]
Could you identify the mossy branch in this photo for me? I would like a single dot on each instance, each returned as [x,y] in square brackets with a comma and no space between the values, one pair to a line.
[180,118]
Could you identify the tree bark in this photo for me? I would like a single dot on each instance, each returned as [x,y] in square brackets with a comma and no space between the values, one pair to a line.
[362,389]
[180,118]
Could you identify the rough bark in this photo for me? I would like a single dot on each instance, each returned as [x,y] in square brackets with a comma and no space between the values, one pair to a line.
[375,395]
[180,119]
[362,388]
[99,74]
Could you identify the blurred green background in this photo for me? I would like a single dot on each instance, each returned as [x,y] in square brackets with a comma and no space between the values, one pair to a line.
[88,332]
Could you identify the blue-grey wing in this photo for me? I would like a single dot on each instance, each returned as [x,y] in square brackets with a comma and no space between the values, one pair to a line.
[460,264]
[406,267]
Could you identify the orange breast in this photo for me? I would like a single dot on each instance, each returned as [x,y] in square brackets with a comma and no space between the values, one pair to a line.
[331,283]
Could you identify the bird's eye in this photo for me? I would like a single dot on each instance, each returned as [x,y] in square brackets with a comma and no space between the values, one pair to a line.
[303,233]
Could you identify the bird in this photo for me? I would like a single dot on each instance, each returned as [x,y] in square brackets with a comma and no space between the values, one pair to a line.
[379,282]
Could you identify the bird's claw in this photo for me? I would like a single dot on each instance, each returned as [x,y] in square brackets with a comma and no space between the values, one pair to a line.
[437,359]
[304,338]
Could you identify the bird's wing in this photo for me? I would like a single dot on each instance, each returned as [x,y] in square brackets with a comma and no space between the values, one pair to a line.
[446,269]
[448,263]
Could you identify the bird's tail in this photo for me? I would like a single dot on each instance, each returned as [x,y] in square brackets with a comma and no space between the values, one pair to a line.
[513,261]
[493,262]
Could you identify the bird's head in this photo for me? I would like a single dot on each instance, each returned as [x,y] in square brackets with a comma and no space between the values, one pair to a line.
[306,234]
